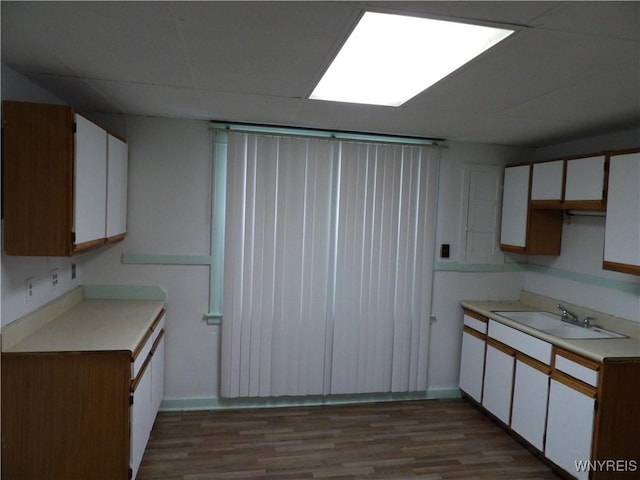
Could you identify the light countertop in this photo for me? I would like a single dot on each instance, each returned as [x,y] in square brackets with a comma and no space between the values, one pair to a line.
[601,350]
[93,325]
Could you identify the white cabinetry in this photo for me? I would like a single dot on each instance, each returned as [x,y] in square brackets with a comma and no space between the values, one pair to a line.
[140,419]
[515,199]
[529,409]
[569,407]
[569,427]
[525,229]
[498,381]
[117,165]
[147,392]
[585,182]
[472,356]
[622,230]
[57,167]
[547,181]
[90,181]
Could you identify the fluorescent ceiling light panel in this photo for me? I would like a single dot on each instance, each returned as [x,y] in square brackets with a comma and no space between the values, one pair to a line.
[389,59]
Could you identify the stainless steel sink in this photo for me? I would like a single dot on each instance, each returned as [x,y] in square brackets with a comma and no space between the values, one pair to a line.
[553,325]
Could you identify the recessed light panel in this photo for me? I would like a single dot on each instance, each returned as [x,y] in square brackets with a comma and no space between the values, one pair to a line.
[389,59]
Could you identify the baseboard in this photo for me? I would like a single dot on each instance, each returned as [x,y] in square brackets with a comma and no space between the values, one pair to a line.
[217,403]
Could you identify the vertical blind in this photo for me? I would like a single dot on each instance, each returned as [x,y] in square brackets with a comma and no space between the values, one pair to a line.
[328,266]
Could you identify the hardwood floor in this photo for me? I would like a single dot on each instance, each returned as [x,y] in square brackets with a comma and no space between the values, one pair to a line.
[426,439]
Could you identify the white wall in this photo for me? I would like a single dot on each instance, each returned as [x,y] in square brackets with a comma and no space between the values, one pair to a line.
[169,212]
[450,287]
[15,270]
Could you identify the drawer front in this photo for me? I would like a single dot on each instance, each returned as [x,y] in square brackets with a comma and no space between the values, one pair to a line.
[534,347]
[576,370]
[474,323]
[158,328]
[144,352]
[140,358]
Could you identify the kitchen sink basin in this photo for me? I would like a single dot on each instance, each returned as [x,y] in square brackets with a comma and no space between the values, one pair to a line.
[553,325]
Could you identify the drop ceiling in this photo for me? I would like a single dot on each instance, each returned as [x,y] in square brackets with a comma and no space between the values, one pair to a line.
[571,70]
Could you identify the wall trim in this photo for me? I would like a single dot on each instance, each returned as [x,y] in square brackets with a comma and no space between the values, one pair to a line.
[585,278]
[166,259]
[124,292]
[595,280]
[218,403]
[478,267]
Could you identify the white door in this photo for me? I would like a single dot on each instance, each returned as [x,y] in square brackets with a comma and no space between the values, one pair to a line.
[472,366]
[498,382]
[482,202]
[529,410]
[569,428]
[90,181]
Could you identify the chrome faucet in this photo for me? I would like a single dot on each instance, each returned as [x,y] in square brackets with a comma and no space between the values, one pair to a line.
[568,316]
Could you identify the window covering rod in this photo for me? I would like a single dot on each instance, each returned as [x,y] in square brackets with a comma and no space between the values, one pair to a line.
[318,133]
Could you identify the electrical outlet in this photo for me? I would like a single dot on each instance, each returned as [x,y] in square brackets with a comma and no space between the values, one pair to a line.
[28,287]
[54,278]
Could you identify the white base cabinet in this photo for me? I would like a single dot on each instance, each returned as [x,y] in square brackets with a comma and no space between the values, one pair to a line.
[498,382]
[147,392]
[569,428]
[472,365]
[529,408]
[580,413]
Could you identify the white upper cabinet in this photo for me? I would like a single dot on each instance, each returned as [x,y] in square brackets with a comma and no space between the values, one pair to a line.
[586,181]
[515,200]
[535,231]
[547,180]
[90,181]
[117,165]
[622,228]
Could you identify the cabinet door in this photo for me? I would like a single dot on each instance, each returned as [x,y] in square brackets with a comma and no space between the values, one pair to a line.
[515,198]
[90,181]
[117,165]
[546,183]
[622,228]
[141,418]
[498,382]
[584,188]
[157,376]
[472,365]
[569,428]
[529,410]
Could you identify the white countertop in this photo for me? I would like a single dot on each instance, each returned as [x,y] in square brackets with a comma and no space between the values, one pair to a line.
[600,350]
[93,325]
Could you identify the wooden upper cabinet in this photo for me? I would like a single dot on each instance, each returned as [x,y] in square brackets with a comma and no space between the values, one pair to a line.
[525,229]
[54,180]
[622,228]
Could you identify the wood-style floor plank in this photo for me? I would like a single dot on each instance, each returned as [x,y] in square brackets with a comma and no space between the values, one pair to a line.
[421,439]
